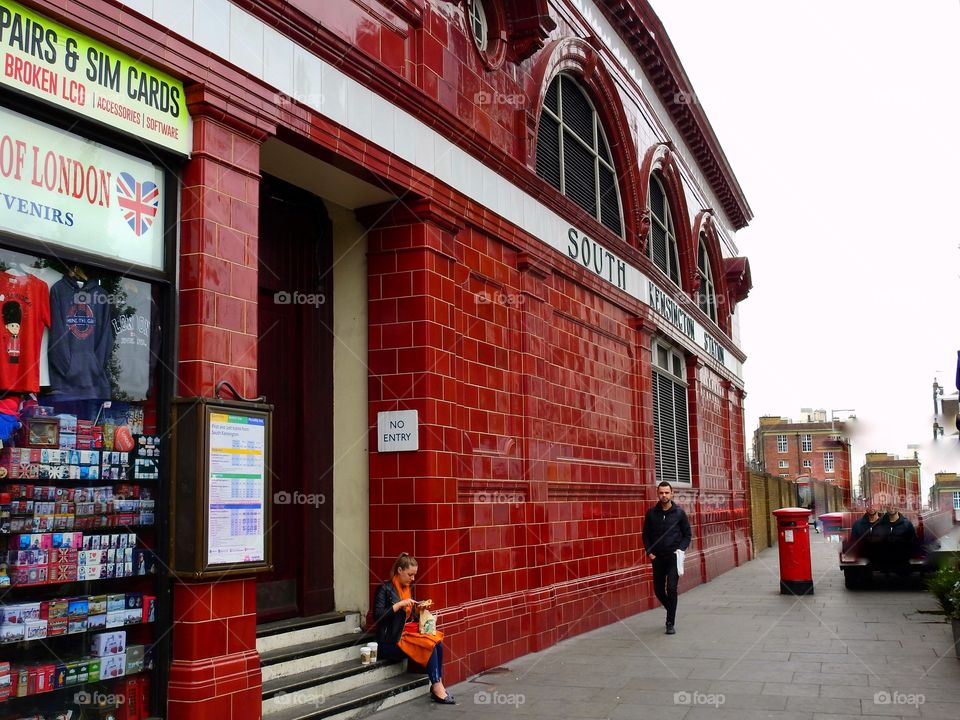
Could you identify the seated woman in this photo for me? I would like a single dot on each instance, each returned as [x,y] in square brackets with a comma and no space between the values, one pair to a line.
[393,607]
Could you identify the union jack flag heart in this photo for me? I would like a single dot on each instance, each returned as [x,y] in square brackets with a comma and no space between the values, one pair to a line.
[138,202]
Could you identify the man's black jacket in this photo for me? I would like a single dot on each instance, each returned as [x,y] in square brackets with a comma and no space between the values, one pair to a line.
[864,531]
[901,531]
[665,530]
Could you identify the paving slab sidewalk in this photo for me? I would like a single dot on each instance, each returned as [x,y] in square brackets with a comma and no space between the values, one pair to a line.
[742,652]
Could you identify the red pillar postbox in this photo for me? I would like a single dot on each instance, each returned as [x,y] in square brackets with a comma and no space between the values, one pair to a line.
[834,526]
[793,534]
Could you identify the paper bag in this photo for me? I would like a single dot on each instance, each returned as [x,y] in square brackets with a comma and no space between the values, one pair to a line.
[680,555]
[428,622]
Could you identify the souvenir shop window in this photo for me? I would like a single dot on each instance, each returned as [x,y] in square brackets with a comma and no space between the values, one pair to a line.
[79,482]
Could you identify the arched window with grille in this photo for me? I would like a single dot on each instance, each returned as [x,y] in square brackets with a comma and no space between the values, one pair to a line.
[573,154]
[708,292]
[662,245]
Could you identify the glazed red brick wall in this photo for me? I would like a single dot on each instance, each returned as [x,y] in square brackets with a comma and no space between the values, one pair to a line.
[739,480]
[495,416]
[720,523]
[437,57]
[525,502]
[492,111]
[216,667]
[215,672]
[218,262]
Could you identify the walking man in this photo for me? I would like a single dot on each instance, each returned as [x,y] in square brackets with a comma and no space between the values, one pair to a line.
[666,530]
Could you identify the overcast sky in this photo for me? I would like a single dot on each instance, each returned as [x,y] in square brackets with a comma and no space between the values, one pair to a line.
[841,121]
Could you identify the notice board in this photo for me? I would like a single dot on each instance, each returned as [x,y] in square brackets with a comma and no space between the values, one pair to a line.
[220,514]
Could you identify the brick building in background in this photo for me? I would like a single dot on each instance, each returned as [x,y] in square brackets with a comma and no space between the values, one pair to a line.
[892,477]
[945,493]
[813,449]
[507,217]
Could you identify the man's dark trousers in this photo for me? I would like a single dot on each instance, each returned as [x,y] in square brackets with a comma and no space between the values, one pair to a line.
[665,579]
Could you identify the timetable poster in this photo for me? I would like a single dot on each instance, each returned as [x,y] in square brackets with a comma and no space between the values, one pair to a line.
[236,494]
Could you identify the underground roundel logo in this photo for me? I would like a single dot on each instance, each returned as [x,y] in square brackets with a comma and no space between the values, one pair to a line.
[80,321]
[138,202]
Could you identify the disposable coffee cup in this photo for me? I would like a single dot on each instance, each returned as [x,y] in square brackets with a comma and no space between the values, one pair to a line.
[364,655]
[373,651]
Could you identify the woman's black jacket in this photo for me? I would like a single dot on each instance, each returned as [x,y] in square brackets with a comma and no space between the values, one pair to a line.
[389,623]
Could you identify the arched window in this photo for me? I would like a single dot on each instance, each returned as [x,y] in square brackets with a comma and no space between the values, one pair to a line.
[662,247]
[573,154]
[708,292]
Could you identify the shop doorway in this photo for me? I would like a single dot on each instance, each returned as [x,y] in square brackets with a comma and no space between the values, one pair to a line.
[295,372]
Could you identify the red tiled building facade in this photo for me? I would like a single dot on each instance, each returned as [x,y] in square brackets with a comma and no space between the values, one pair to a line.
[509,217]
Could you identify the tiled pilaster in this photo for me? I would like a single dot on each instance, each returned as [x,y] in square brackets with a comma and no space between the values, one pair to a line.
[215,671]
[411,350]
[218,261]
[216,668]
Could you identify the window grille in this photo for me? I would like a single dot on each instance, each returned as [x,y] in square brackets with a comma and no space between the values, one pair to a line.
[573,154]
[662,245]
[670,417]
[707,294]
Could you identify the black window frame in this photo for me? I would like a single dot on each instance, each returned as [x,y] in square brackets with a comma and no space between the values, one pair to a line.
[707,294]
[671,415]
[668,262]
[605,205]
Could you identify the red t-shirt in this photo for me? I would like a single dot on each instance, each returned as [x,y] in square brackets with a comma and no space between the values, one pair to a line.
[25,310]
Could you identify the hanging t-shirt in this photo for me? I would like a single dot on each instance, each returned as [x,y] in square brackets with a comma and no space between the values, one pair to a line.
[136,338]
[26,312]
[81,339]
[50,277]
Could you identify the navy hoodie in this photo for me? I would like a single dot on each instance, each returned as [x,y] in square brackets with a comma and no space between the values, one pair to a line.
[81,339]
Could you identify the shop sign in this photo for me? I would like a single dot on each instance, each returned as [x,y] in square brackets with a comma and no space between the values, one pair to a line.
[398,431]
[61,66]
[61,189]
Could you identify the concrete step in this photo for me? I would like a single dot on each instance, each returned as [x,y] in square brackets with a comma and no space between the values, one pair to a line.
[298,631]
[299,658]
[360,702]
[311,669]
[316,686]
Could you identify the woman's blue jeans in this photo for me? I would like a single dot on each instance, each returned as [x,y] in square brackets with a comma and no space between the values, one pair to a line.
[390,651]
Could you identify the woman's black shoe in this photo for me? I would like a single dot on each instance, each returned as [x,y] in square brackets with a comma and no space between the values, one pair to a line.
[448,700]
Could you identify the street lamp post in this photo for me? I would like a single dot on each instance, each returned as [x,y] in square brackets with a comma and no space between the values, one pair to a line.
[849,457]
[848,410]
[937,393]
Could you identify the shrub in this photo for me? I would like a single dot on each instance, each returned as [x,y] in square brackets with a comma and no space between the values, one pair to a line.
[945,587]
